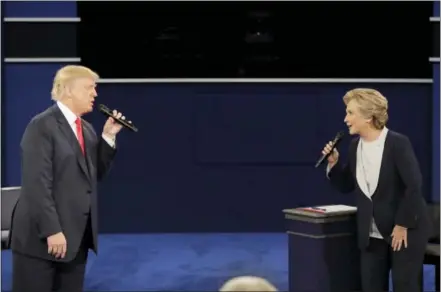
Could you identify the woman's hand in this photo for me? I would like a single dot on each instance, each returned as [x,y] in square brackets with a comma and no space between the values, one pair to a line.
[399,238]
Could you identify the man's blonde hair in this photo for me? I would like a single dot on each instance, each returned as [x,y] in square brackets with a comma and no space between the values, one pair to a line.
[247,283]
[67,74]
[372,104]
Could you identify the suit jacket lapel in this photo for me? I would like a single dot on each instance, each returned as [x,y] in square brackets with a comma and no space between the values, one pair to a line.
[387,152]
[353,156]
[66,129]
[87,142]
[361,184]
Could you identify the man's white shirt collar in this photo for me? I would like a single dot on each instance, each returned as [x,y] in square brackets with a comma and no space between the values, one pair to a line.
[70,116]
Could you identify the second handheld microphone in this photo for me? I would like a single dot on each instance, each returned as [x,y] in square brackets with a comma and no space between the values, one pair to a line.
[107,112]
[335,142]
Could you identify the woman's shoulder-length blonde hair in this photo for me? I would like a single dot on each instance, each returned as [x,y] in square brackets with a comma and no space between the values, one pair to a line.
[372,104]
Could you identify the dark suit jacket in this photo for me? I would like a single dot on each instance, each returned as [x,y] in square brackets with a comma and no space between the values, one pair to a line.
[398,197]
[59,185]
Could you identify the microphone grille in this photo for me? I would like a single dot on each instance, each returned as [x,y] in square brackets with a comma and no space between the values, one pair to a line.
[103,107]
[340,135]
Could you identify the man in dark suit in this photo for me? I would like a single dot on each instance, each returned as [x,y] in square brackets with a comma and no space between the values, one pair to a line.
[55,220]
[392,220]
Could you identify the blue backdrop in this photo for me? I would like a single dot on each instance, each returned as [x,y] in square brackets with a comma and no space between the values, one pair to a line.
[215,157]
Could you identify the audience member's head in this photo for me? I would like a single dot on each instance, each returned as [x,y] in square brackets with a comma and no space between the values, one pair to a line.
[247,283]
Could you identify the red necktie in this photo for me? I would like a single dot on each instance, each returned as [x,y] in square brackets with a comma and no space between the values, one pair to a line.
[80,134]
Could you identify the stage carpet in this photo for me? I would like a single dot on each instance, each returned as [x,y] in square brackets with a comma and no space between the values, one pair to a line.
[184,262]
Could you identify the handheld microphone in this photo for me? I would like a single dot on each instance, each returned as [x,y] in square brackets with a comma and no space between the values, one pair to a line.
[335,142]
[107,112]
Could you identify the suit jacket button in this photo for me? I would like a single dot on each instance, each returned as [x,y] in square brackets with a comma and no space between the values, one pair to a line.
[89,191]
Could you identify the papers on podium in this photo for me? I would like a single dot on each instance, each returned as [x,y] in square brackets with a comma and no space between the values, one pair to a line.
[327,210]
